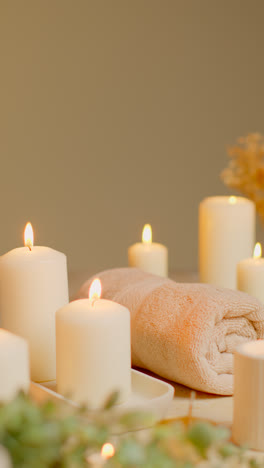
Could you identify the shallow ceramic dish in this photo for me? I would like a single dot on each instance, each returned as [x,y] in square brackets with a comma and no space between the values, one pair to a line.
[148,394]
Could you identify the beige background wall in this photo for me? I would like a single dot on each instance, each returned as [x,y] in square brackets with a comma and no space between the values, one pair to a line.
[116,113]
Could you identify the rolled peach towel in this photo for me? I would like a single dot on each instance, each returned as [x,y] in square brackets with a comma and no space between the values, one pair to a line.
[186,333]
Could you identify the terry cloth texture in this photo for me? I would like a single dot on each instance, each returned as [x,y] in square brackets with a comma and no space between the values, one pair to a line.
[186,333]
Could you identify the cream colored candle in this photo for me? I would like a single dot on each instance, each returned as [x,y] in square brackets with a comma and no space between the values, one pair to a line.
[5,458]
[14,365]
[33,285]
[93,349]
[248,424]
[250,274]
[149,256]
[226,236]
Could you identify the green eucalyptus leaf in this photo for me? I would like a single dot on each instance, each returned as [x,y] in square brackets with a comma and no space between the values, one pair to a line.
[52,436]
[228,450]
[111,401]
[137,419]
[201,435]
[131,454]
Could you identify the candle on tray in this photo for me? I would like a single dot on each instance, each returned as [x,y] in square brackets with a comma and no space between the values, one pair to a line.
[14,365]
[250,274]
[93,349]
[149,256]
[248,424]
[226,236]
[33,285]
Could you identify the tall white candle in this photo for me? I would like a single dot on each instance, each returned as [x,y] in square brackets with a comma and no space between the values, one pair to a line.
[149,256]
[33,285]
[226,236]
[93,349]
[250,274]
[14,365]
[248,424]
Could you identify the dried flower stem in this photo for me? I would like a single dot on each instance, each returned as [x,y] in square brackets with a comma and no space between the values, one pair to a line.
[245,171]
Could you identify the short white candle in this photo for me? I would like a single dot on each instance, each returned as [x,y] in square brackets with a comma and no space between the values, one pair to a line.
[248,424]
[93,349]
[250,274]
[14,365]
[33,285]
[149,256]
[226,236]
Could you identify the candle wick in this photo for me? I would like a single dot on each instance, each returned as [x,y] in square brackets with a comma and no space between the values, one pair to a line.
[94,299]
[29,247]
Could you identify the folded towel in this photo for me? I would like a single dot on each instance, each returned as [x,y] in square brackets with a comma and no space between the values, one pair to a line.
[184,332]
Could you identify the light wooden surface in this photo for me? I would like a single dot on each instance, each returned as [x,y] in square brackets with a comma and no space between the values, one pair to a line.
[214,408]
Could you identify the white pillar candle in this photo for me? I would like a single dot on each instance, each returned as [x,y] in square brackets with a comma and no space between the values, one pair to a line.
[5,458]
[250,274]
[226,236]
[149,256]
[33,285]
[14,365]
[93,349]
[248,424]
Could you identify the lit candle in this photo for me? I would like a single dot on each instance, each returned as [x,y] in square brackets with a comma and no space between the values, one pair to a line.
[14,365]
[226,236]
[149,256]
[248,423]
[33,285]
[98,460]
[93,349]
[250,274]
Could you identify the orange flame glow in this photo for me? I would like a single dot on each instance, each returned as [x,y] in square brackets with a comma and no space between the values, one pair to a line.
[107,451]
[95,290]
[147,234]
[29,236]
[257,250]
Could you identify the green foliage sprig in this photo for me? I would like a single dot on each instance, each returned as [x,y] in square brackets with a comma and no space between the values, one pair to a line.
[54,436]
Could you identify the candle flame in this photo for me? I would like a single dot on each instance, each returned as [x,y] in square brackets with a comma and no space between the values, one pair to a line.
[147,234]
[107,451]
[232,200]
[28,236]
[257,250]
[95,290]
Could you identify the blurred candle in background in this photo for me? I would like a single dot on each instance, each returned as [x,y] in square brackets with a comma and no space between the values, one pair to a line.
[227,227]
[149,256]
[33,285]
[250,274]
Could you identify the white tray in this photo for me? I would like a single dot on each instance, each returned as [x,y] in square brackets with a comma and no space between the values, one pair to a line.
[148,394]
